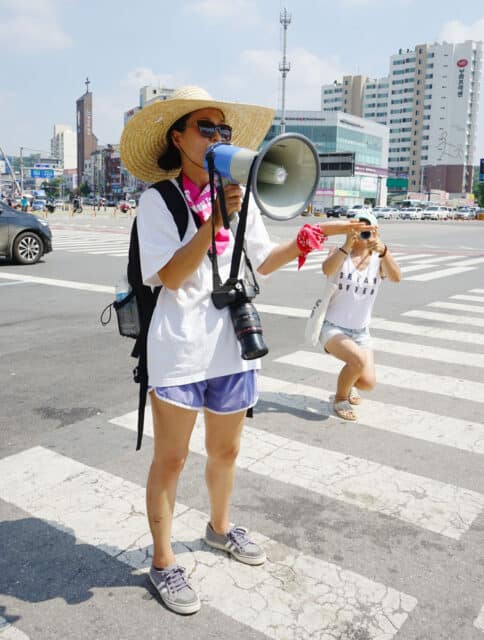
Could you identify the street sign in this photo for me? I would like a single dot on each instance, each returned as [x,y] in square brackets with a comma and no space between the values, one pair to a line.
[397,184]
[481,171]
[41,173]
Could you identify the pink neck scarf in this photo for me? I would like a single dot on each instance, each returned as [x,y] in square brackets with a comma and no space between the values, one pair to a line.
[199,202]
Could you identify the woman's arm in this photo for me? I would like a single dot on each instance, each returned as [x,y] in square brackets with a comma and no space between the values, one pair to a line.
[286,252]
[188,258]
[335,260]
[388,265]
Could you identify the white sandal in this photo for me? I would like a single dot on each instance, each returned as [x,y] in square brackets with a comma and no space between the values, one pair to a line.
[354,397]
[343,409]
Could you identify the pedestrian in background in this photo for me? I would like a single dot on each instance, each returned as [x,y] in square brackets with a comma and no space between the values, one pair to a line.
[357,269]
[194,357]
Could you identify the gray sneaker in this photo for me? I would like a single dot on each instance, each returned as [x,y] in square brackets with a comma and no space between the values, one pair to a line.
[175,590]
[237,543]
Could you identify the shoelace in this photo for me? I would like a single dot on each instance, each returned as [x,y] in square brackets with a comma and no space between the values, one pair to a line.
[238,535]
[176,580]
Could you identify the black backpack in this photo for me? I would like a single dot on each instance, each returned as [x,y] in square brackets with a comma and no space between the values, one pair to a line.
[135,310]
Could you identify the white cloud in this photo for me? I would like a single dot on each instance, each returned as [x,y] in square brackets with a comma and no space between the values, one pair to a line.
[237,12]
[31,26]
[109,108]
[457,31]
[257,78]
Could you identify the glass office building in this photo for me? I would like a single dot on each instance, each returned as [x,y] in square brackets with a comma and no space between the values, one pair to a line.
[339,132]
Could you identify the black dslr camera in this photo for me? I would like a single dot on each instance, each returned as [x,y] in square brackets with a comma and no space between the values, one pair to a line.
[237,295]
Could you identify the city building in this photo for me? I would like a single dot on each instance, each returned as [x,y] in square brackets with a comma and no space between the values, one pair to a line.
[344,133]
[86,140]
[430,101]
[63,146]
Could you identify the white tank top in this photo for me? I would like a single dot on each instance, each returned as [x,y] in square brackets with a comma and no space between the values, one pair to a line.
[352,302]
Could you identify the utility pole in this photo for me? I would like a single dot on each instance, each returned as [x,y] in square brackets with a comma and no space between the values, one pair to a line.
[284,66]
[21,171]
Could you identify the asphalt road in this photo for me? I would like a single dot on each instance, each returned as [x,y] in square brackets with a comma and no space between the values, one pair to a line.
[374,529]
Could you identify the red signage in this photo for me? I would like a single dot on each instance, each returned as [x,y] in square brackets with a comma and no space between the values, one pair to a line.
[462,63]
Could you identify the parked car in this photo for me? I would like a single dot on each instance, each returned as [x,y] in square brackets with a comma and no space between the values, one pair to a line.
[336,211]
[38,205]
[465,213]
[387,213]
[411,213]
[24,238]
[357,208]
[435,212]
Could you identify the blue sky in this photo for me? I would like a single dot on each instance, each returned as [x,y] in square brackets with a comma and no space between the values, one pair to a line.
[231,47]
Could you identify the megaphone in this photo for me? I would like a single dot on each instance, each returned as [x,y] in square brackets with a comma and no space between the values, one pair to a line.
[284,177]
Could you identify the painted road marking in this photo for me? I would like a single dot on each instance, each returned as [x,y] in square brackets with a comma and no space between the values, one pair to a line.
[402,378]
[67,284]
[444,317]
[291,591]
[455,306]
[423,502]
[443,273]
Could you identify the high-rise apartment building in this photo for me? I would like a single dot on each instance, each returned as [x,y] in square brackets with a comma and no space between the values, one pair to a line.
[63,146]
[430,101]
[86,140]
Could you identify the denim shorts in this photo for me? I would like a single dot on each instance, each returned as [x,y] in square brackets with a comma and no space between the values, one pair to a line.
[226,394]
[360,336]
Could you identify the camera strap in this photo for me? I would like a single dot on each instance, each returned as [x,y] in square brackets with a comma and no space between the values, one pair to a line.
[239,246]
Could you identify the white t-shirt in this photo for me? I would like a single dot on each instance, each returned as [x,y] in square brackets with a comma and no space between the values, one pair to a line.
[190,339]
[352,303]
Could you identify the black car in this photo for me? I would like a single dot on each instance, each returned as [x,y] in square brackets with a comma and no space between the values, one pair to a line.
[336,212]
[24,237]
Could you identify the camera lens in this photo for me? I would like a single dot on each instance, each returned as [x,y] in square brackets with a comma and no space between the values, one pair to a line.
[248,329]
[365,235]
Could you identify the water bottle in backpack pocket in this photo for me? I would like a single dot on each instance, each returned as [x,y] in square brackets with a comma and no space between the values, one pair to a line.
[126,308]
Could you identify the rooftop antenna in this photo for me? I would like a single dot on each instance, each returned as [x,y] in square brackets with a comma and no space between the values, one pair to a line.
[87,83]
[284,66]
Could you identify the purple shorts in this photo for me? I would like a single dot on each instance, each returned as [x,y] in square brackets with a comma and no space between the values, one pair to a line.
[226,394]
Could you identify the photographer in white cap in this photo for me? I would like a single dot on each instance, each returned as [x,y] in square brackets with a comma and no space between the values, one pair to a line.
[194,357]
[356,268]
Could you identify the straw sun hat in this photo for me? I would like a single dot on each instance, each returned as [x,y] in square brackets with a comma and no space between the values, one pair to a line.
[143,139]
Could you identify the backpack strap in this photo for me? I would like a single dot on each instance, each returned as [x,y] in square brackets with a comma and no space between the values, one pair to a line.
[177,206]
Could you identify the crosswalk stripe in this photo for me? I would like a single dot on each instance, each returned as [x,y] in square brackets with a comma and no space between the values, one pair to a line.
[437,259]
[412,423]
[455,306]
[427,331]
[409,257]
[402,378]
[386,325]
[470,262]
[479,621]
[414,267]
[469,298]
[476,291]
[423,502]
[66,493]
[53,282]
[442,273]
[9,632]
[412,350]
[445,317]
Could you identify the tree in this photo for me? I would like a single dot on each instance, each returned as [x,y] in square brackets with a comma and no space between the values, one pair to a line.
[84,189]
[52,187]
[479,193]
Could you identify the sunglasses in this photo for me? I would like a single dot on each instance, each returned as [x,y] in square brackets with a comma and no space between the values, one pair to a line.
[208,129]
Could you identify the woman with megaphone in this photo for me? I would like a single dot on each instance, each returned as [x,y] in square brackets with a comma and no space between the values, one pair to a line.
[195,361]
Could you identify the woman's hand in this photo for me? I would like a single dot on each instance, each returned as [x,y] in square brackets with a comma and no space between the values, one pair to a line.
[344,226]
[233,203]
[376,244]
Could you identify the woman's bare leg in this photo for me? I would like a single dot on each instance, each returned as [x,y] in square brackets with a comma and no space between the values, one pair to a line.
[172,427]
[222,442]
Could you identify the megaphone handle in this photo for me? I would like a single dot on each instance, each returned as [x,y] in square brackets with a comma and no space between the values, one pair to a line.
[223,206]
